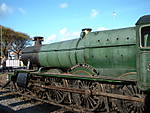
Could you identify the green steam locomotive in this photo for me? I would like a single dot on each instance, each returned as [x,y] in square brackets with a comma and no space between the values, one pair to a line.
[100,71]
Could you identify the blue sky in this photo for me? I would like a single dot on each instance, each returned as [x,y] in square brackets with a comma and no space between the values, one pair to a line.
[58,20]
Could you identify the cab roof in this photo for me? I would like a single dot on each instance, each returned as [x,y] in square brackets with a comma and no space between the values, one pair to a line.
[143,20]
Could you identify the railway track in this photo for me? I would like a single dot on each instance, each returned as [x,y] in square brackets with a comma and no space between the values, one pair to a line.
[14,102]
[23,102]
[18,96]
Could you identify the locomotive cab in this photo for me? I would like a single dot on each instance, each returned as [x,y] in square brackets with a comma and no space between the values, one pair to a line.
[143,56]
[145,36]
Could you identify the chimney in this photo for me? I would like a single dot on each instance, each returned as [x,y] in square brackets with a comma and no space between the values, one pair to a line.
[38,41]
[85,32]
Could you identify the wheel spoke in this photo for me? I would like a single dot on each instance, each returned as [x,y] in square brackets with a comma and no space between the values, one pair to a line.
[86,101]
[131,106]
[91,102]
[56,95]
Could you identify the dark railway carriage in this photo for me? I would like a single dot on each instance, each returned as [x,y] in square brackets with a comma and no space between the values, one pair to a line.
[101,71]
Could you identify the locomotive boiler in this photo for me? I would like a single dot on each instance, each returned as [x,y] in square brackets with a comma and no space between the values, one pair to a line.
[100,71]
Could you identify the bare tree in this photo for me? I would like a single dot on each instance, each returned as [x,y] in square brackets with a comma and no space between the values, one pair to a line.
[7,39]
[20,42]
[13,41]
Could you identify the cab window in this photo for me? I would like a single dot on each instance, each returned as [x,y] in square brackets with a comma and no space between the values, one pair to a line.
[145,36]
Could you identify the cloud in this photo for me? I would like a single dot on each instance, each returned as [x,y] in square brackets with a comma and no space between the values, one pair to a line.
[67,35]
[5,9]
[94,13]
[50,39]
[63,31]
[73,34]
[22,11]
[63,5]
[102,28]
[64,34]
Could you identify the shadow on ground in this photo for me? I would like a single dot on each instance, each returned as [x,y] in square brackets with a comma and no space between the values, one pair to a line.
[37,108]
[5,109]
[41,108]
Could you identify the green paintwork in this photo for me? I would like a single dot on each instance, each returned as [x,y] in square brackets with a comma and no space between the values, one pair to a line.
[68,77]
[144,79]
[143,61]
[58,54]
[112,52]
